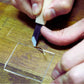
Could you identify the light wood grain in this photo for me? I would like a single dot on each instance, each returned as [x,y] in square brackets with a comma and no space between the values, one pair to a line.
[16,27]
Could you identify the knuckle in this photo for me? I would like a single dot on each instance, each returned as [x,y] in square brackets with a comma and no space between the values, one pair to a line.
[66,6]
[74,77]
[65,62]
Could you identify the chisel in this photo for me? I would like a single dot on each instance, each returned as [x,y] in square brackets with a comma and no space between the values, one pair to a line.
[39,23]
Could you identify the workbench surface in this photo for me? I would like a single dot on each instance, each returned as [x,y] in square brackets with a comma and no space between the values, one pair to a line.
[16,27]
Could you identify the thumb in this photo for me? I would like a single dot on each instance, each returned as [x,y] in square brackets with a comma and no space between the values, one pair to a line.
[58,7]
[64,36]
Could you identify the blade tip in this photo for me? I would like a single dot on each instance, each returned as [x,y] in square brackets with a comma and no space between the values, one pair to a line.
[34,41]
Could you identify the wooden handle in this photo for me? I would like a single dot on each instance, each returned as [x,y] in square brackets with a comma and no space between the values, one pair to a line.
[40,19]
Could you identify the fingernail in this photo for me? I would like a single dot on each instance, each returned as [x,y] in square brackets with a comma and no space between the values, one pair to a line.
[45,29]
[55,74]
[36,8]
[49,14]
[52,83]
[13,1]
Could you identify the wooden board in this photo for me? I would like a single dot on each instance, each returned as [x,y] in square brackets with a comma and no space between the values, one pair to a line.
[17,27]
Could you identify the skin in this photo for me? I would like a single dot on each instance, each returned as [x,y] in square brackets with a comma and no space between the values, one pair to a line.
[70,69]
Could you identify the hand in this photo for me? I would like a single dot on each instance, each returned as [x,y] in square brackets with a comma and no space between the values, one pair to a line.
[70,70]
[33,7]
[57,7]
[30,7]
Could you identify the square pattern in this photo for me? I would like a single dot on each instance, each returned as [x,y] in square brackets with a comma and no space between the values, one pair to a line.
[29,62]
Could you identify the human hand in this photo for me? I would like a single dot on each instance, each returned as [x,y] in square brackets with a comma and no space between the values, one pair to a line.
[57,8]
[70,70]
[33,7]
[30,7]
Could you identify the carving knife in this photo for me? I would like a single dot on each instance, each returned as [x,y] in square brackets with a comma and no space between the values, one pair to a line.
[39,23]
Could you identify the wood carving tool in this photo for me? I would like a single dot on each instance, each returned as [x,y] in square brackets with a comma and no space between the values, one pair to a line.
[39,23]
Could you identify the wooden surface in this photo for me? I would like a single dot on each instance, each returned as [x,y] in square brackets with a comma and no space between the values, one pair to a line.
[17,27]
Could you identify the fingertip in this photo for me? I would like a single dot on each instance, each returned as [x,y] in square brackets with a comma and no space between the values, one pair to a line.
[14,3]
[49,35]
[58,70]
[52,83]
[45,30]
[55,74]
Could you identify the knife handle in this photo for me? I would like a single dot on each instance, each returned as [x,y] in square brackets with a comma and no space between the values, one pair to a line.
[40,19]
